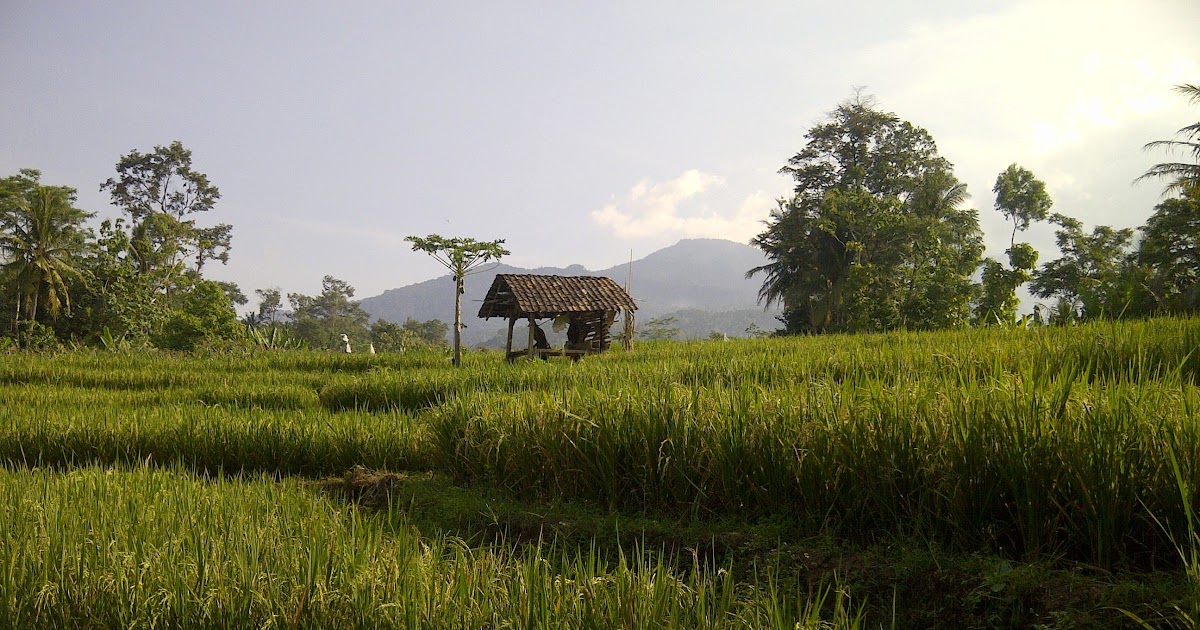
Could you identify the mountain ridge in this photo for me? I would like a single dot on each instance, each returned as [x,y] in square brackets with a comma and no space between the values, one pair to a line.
[695,276]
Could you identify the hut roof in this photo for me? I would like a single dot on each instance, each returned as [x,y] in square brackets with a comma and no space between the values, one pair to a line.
[530,295]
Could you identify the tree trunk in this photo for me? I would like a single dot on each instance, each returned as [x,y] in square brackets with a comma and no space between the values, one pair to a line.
[458,291]
[17,315]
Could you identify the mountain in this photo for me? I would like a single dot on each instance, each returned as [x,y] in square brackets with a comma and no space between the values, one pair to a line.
[703,274]
[700,282]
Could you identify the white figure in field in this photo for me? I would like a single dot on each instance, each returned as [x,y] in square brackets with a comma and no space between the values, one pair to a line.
[371,348]
[346,340]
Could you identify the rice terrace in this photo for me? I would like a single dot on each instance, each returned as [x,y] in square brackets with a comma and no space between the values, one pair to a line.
[624,319]
[983,478]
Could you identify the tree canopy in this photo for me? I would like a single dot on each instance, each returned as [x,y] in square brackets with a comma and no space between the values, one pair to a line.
[1170,249]
[322,319]
[1021,198]
[158,191]
[1091,275]
[875,236]
[42,238]
[160,182]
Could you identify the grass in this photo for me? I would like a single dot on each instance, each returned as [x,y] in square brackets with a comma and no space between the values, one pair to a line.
[1052,448]
[157,548]
[1026,460]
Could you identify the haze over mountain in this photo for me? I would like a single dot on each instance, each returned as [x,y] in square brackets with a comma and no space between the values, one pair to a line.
[700,282]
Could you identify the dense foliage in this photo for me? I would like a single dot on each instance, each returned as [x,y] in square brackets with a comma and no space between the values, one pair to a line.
[42,238]
[139,282]
[874,237]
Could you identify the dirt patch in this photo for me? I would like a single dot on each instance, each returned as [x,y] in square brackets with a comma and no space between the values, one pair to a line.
[367,487]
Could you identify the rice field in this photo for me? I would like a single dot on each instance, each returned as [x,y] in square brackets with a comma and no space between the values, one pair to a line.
[153,490]
[138,547]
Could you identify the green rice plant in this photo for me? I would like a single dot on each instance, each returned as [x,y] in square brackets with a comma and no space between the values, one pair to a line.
[141,548]
[1185,537]
[1023,460]
[255,396]
[65,427]
[387,390]
[1041,442]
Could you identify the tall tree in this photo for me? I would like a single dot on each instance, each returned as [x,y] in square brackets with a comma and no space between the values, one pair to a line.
[1180,175]
[1093,274]
[946,245]
[321,319]
[463,257]
[160,191]
[269,302]
[874,236]
[1170,250]
[1021,198]
[42,240]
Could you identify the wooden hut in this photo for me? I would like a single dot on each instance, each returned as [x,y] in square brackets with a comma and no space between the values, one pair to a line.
[587,304]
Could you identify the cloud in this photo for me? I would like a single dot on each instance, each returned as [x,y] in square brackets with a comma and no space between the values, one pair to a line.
[1070,89]
[667,210]
[1034,80]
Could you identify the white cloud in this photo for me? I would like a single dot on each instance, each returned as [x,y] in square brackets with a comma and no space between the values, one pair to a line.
[668,210]
[1042,77]
[1070,89]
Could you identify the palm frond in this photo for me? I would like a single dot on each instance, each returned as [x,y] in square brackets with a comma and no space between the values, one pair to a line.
[1182,176]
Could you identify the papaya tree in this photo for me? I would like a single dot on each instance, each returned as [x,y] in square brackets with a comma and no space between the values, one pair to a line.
[463,257]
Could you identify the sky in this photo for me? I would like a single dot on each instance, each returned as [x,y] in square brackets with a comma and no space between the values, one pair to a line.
[579,132]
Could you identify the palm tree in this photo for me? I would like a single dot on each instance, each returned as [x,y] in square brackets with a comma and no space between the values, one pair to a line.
[783,229]
[41,239]
[1182,174]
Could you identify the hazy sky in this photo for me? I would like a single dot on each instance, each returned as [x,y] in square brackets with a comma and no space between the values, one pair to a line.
[577,131]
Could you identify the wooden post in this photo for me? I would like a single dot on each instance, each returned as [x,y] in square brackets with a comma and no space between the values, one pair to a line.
[512,321]
[628,336]
[531,325]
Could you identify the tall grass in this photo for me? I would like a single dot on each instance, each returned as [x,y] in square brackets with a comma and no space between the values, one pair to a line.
[1019,442]
[1050,442]
[144,548]
[1060,467]
[261,429]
